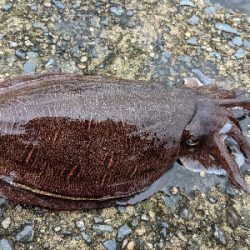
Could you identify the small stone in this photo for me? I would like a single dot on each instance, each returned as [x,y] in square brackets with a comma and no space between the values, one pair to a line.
[7,6]
[5,245]
[47,4]
[51,62]
[123,231]
[121,209]
[202,173]
[57,229]
[41,26]
[80,224]
[131,245]
[118,10]
[29,68]
[98,219]
[186,214]
[174,190]
[1,36]
[13,44]
[215,55]
[210,10]
[144,217]
[192,41]
[84,59]
[124,243]
[187,3]
[246,44]
[32,55]
[102,228]
[66,233]
[110,244]
[171,201]
[230,190]
[66,37]
[33,7]
[227,28]
[86,237]
[76,6]
[237,41]
[219,235]
[58,4]
[130,13]
[134,222]
[6,222]
[163,224]
[20,54]
[2,201]
[26,234]
[240,53]
[194,20]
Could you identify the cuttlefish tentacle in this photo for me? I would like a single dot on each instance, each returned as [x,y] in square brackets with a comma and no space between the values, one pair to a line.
[220,152]
[237,135]
[230,103]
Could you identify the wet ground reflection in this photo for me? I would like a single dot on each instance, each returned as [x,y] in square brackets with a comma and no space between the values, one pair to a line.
[241,5]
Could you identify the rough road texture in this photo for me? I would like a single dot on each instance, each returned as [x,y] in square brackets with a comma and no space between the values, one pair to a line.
[161,40]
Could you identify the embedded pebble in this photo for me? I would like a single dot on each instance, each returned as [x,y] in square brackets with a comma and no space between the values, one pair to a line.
[5,245]
[194,20]
[219,235]
[186,214]
[26,234]
[1,36]
[58,4]
[29,68]
[171,201]
[38,25]
[86,237]
[144,217]
[210,10]
[84,59]
[80,224]
[240,53]
[215,54]
[57,229]
[246,44]
[98,219]
[118,11]
[13,44]
[102,228]
[32,55]
[123,231]
[121,209]
[230,190]
[227,28]
[131,245]
[20,54]
[66,233]
[135,222]
[6,222]
[7,6]
[192,41]
[110,244]
[237,41]
[187,3]
[2,201]
[50,62]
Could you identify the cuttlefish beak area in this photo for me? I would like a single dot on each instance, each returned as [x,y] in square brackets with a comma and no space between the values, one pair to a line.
[213,123]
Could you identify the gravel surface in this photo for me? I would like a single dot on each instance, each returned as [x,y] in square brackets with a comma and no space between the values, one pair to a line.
[165,40]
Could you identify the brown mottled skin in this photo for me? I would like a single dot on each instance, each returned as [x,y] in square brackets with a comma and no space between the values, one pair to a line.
[79,142]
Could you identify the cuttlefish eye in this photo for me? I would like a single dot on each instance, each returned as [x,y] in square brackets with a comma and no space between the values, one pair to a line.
[193,141]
